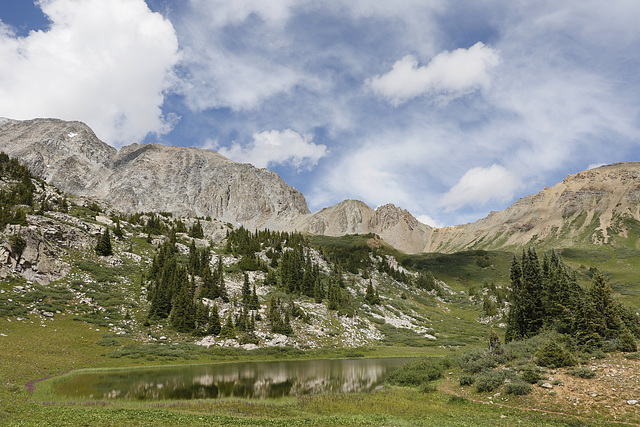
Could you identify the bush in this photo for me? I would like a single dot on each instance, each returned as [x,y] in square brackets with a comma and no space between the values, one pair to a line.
[627,342]
[517,388]
[489,381]
[417,372]
[530,375]
[467,380]
[582,373]
[476,361]
[633,356]
[552,355]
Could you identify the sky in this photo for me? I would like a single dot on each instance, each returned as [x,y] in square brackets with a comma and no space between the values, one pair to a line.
[447,108]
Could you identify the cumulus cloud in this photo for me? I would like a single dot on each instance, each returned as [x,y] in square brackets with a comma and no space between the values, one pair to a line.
[275,147]
[449,74]
[428,220]
[480,186]
[107,63]
[236,53]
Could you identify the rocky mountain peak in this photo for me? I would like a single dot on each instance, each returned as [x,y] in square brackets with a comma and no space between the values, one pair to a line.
[150,177]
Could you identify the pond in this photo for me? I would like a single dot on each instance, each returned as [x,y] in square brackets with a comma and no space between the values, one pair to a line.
[252,380]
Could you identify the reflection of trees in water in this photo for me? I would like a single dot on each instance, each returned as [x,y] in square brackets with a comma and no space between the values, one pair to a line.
[257,380]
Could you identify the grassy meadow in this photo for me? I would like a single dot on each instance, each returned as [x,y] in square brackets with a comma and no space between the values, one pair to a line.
[37,351]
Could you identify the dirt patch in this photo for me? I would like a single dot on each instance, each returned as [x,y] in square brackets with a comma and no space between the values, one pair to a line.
[613,394]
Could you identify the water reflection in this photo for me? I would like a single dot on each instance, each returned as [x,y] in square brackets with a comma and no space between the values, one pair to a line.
[253,380]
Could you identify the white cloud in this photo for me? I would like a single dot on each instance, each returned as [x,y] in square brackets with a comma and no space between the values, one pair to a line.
[275,147]
[480,186]
[452,74]
[595,165]
[428,220]
[233,53]
[107,63]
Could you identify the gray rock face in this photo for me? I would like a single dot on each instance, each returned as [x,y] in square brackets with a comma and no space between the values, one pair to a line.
[46,243]
[394,225]
[184,181]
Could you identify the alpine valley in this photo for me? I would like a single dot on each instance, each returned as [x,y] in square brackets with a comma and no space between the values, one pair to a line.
[158,255]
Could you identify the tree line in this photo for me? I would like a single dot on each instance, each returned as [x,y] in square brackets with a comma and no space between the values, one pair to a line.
[546,295]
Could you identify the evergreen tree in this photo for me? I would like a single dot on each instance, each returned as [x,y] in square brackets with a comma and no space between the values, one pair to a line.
[495,345]
[371,296]
[334,295]
[202,317]
[196,230]
[117,231]
[103,247]
[254,303]
[183,311]
[515,318]
[228,330]
[318,291]
[246,291]
[214,321]
[607,309]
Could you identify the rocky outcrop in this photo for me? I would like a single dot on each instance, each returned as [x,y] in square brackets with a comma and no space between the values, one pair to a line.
[151,177]
[45,243]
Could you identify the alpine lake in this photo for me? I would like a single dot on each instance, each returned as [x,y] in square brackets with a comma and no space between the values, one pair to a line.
[249,380]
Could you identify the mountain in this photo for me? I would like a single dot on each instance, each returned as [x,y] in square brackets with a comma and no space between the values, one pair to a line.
[592,207]
[597,206]
[394,225]
[151,177]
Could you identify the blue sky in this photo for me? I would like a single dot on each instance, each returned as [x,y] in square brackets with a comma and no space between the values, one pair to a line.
[450,109]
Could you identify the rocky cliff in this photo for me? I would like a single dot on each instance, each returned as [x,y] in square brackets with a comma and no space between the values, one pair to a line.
[152,177]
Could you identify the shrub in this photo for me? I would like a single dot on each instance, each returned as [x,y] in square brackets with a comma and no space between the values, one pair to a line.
[17,245]
[417,372]
[582,373]
[489,381]
[476,361]
[552,355]
[517,388]
[627,342]
[633,356]
[530,375]
[467,380]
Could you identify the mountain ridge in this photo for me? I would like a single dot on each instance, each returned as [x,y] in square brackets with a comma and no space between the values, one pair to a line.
[588,207]
[150,177]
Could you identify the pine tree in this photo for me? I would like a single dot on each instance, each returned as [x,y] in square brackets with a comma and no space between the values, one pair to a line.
[103,248]
[495,345]
[228,330]
[184,311]
[214,321]
[318,291]
[334,295]
[254,303]
[371,296]
[607,309]
[202,317]
[196,230]
[117,231]
[246,291]
[515,317]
